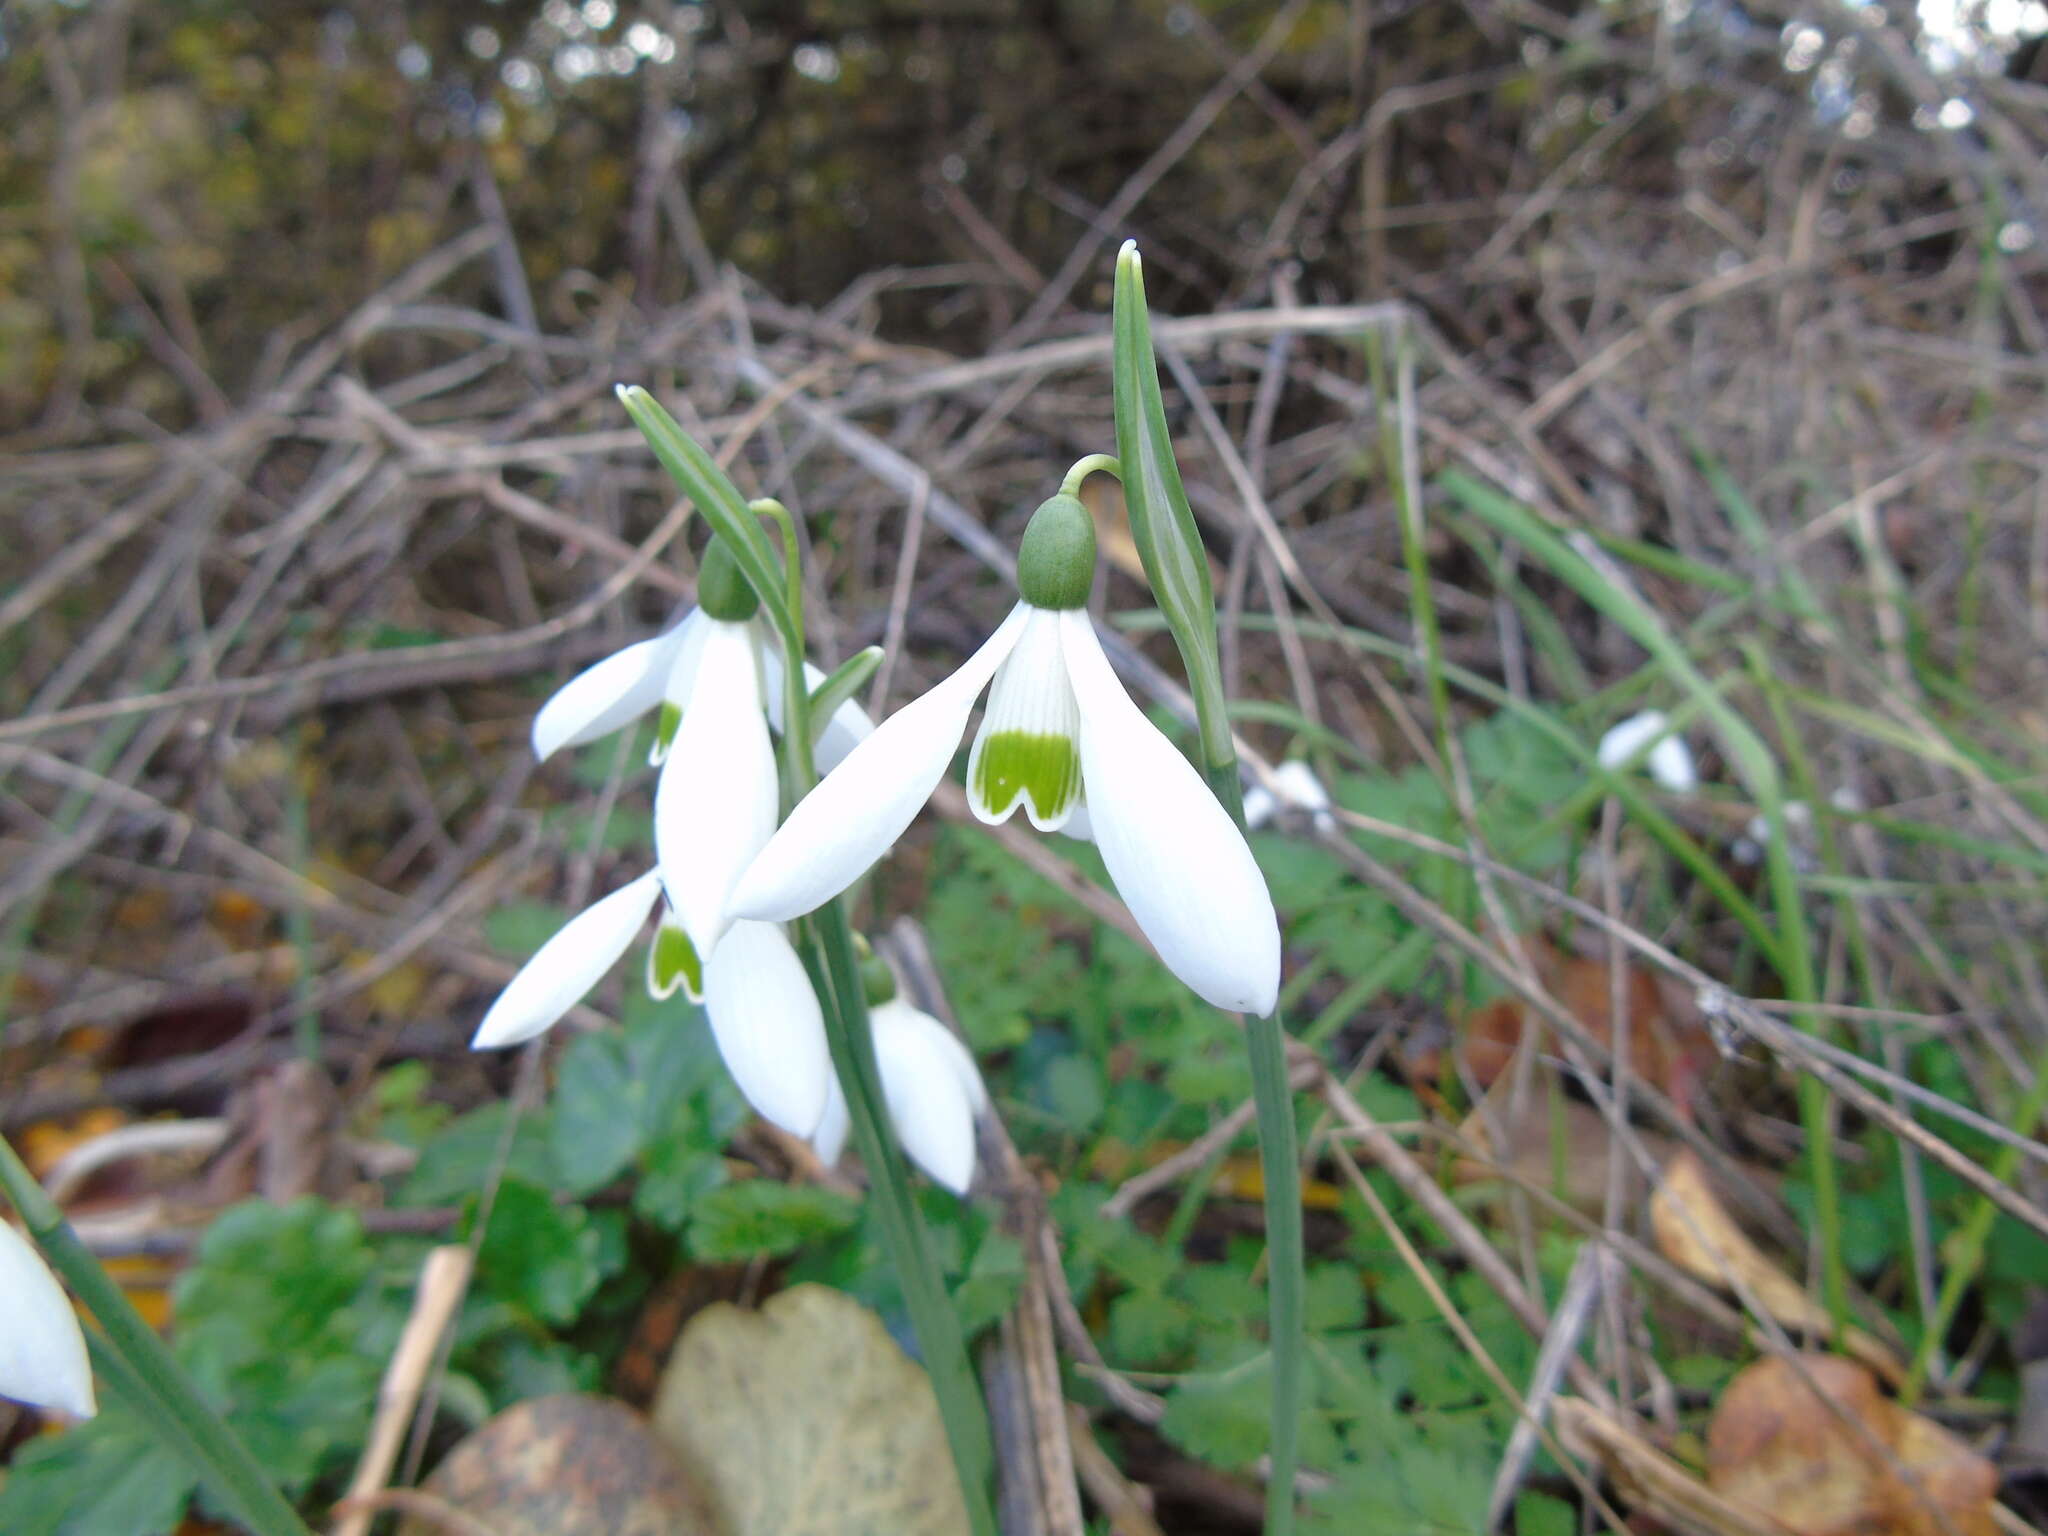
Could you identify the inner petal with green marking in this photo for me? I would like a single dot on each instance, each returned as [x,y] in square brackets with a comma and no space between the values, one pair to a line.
[1028,749]
[666,724]
[1043,771]
[672,962]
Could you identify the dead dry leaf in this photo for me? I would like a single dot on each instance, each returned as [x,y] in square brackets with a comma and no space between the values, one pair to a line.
[567,1466]
[1104,499]
[1694,1231]
[805,1419]
[1645,1476]
[1563,1146]
[1668,1043]
[1813,1441]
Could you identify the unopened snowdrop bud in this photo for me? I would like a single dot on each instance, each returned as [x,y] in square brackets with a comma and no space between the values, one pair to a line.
[934,1092]
[768,1026]
[42,1349]
[1670,761]
[1056,557]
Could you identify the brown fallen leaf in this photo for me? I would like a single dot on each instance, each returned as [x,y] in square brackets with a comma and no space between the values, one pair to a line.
[567,1466]
[1104,499]
[1562,1146]
[1694,1231]
[1669,1044]
[1815,1443]
[805,1419]
[1645,1476]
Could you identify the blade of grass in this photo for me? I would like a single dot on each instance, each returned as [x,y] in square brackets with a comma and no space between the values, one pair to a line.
[1758,770]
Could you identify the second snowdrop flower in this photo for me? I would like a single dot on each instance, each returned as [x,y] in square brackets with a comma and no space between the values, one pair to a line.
[1060,734]
[717,679]
[763,1013]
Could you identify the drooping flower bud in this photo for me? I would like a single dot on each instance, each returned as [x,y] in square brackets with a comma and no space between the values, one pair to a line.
[722,589]
[1056,559]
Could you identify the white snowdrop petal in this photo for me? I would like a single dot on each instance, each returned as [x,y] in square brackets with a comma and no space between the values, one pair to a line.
[1670,761]
[960,1058]
[680,681]
[859,809]
[568,965]
[1078,826]
[829,1139]
[1295,786]
[1177,858]
[1027,750]
[928,1103]
[1299,786]
[716,799]
[1624,740]
[613,693]
[768,1026]
[1259,806]
[42,1350]
[1671,765]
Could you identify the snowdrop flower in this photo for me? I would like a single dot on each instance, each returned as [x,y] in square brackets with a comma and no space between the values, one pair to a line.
[933,1089]
[42,1349]
[1670,761]
[1295,787]
[716,800]
[1059,732]
[763,1014]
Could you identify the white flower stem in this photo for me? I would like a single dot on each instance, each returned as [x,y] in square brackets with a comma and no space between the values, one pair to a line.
[148,1373]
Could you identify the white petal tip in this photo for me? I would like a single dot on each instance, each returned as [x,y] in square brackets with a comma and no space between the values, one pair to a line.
[42,1349]
[565,968]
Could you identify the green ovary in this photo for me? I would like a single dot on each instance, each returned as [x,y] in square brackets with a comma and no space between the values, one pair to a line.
[1015,764]
[676,957]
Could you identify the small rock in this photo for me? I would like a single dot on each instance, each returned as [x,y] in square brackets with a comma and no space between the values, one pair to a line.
[568,1466]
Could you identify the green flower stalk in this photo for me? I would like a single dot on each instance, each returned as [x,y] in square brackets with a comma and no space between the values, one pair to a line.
[160,1391]
[812,971]
[1170,545]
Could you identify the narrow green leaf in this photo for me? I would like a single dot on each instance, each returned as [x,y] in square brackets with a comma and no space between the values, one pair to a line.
[714,494]
[846,679]
[1162,523]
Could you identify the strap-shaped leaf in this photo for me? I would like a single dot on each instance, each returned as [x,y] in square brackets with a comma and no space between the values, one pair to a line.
[700,479]
[846,679]
[1162,523]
